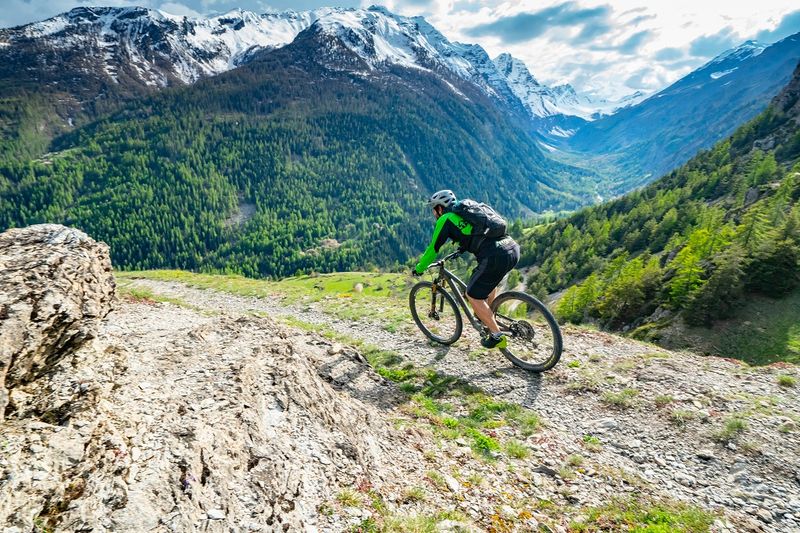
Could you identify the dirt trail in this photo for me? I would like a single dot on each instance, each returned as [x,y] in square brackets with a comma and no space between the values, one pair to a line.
[661,432]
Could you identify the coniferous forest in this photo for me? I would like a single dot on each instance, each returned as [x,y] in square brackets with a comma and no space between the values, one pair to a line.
[699,242]
[266,172]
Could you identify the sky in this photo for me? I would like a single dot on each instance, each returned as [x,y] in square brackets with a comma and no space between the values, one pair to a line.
[605,48]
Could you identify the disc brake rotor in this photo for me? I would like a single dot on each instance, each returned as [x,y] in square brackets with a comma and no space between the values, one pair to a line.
[522,330]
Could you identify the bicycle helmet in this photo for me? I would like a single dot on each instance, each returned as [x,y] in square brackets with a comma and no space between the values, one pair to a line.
[444,198]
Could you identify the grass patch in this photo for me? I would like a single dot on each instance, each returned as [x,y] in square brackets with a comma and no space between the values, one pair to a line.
[517,450]
[482,444]
[140,294]
[414,494]
[575,460]
[681,417]
[436,478]
[566,473]
[592,443]
[348,498]
[733,427]
[381,298]
[574,364]
[663,400]
[777,322]
[420,523]
[623,399]
[643,516]
[787,381]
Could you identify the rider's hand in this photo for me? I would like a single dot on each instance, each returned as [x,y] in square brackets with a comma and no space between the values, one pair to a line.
[414,272]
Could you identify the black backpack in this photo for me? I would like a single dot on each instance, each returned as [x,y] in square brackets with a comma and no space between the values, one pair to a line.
[486,222]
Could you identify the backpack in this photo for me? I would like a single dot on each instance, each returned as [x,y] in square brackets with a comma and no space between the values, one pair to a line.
[486,222]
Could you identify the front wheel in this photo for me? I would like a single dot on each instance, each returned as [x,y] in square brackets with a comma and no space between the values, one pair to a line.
[435,312]
[534,338]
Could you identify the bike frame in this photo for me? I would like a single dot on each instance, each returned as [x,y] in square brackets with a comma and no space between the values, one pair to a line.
[458,288]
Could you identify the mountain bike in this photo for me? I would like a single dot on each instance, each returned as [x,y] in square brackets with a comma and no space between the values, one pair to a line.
[534,338]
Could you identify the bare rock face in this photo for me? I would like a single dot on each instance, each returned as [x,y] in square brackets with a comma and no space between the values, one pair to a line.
[55,285]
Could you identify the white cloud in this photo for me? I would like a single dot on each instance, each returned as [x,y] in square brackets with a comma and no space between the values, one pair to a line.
[600,64]
[176,8]
[626,42]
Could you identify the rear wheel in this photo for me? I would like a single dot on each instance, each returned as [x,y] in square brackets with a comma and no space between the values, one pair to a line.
[435,312]
[534,338]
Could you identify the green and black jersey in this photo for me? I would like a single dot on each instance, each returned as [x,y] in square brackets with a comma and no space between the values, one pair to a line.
[448,226]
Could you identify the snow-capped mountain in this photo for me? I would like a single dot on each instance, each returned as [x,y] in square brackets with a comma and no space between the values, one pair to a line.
[665,130]
[145,46]
[542,101]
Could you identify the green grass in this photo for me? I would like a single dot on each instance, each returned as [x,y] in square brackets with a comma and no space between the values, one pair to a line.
[732,429]
[436,478]
[383,296]
[787,381]
[663,400]
[575,460]
[125,290]
[517,450]
[643,516]
[622,399]
[592,443]
[348,498]
[414,494]
[681,417]
[765,331]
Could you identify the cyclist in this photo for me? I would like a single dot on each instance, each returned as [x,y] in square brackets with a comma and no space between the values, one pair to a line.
[496,257]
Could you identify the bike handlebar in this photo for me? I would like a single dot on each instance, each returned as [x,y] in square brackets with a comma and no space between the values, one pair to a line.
[443,260]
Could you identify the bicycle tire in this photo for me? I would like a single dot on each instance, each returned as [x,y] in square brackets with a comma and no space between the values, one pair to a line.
[459,322]
[554,356]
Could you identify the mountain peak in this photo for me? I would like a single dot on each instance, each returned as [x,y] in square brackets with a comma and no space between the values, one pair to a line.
[744,51]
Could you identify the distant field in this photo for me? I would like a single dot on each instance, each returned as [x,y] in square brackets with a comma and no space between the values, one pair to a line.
[346,295]
[765,331]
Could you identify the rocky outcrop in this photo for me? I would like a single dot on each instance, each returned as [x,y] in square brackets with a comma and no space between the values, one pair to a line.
[55,284]
[160,418]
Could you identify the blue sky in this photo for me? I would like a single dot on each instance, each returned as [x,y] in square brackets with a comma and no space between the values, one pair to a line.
[610,48]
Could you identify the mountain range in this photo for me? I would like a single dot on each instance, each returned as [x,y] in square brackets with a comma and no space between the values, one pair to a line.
[311,156]
[119,119]
[99,55]
[642,142]
[716,243]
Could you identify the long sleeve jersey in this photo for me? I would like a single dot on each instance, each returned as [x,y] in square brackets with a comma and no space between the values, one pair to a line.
[448,226]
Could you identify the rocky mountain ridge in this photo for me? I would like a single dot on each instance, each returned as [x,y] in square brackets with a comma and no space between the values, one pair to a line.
[198,410]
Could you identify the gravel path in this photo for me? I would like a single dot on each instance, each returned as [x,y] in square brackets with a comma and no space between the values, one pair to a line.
[664,433]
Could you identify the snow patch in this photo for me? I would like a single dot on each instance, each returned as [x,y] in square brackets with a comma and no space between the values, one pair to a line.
[560,132]
[718,75]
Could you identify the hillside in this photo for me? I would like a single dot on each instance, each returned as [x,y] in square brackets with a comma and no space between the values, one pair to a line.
[306,158]
[216,401]
[316,155]
[697,244]
[641,143]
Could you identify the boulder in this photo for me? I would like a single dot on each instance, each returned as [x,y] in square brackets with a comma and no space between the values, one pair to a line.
[56,283]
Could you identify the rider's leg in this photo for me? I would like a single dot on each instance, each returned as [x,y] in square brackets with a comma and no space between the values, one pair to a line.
[484,312]
[490,298]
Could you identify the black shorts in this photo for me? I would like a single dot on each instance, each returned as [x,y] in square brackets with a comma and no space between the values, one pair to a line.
[497,262]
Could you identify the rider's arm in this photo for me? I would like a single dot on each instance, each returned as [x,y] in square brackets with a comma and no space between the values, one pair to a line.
[440,236]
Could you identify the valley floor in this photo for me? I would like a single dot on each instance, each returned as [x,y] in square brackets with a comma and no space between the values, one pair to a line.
[620,419]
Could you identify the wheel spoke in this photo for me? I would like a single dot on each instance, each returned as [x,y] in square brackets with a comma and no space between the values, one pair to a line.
[435,312]
[534,338]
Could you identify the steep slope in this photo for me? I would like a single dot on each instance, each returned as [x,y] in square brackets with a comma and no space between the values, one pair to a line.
[556,111]
[326,153]
[89,61]
[642,142]
[620,419]
[693,245]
